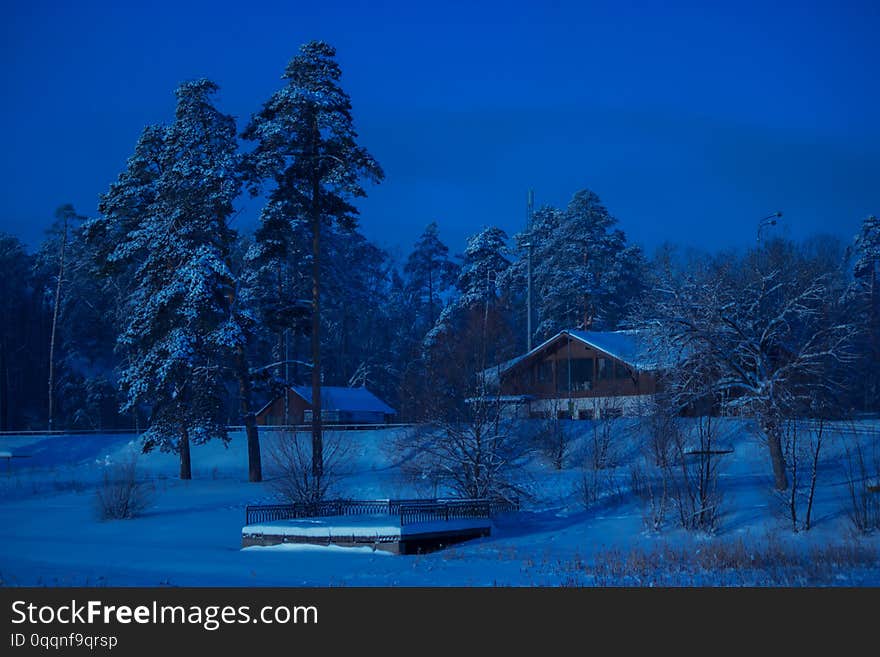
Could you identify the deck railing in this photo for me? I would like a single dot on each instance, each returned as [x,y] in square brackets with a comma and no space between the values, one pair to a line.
[409,510]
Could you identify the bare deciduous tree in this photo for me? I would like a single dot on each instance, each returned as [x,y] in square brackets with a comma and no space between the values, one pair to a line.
[679,472]
[295,481]
[761,337]
[477,454]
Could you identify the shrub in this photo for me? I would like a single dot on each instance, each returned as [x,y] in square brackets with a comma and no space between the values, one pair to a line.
[291,457]
[120,495]
[862,471]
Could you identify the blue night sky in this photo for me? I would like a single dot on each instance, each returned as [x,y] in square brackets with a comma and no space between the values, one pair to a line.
[690,122]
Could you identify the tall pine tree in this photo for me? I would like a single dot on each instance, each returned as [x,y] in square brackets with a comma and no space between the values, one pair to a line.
[306,145]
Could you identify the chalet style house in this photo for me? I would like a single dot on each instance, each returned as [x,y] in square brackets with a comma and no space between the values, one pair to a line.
[578,375]
[338,406]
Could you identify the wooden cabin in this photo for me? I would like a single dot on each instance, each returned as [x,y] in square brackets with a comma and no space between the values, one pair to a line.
[339,405]
[578,375]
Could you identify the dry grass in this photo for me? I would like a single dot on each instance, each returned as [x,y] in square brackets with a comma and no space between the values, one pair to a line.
[722,563]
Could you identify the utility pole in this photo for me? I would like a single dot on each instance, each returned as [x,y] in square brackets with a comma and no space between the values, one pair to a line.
[286,376]
[530,208]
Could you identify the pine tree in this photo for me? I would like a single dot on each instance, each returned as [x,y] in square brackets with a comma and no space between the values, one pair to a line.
[278,281]
[484,264]
[305,143]
[15,301]
[357,278]
[474,330]
[584,273]
[429,275]
[82,333]
[485,260]
[864,297]
[167,216]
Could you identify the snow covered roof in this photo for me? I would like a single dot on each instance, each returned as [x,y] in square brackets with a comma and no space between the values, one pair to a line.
[335,398]
[629,346]
[632,347]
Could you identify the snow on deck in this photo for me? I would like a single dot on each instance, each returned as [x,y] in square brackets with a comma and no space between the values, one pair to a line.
[309,547]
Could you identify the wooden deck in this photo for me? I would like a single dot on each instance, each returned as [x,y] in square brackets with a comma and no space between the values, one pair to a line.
[396,526]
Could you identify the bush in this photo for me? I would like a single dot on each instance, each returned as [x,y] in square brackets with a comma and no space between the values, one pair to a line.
[551,439]
[291,457]
[862,471]
[680,471]
[120,495]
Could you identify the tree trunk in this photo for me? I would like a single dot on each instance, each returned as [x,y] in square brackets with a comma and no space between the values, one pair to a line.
[430,296]
[55,326]
[255,463]
[185,463]
[777,458]
[317,429]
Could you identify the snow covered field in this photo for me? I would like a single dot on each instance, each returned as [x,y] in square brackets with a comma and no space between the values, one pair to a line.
[190,533]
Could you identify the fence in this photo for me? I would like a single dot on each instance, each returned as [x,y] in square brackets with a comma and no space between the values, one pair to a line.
[327,427]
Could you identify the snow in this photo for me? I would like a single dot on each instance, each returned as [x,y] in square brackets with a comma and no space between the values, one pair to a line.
[630,346]
[190,533]
[360,526]
[308,547]
[335,398]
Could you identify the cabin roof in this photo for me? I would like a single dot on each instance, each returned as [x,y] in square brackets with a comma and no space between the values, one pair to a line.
[338,398]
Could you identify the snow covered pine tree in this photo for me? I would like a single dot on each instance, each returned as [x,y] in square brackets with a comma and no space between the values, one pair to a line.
[306,144]
[584,272]
[166,219]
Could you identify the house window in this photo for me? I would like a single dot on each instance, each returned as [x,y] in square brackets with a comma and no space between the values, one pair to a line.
[582,374]
[621,371]
[585,414]
[545,372]
[606,369]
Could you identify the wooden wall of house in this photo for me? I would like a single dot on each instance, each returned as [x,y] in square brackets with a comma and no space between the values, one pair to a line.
[594,374]
[274,414]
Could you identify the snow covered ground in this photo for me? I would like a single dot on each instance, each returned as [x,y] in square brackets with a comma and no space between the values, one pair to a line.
[190,532]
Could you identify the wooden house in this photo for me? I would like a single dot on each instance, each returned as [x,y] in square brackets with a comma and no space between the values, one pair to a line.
[339,405]
[578,375]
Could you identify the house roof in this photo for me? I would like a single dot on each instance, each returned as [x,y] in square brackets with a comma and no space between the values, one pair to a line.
[336,398]
[632,347]
[629,346]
